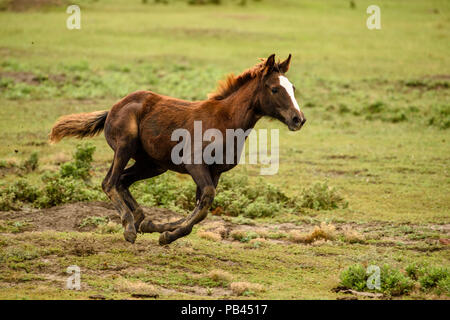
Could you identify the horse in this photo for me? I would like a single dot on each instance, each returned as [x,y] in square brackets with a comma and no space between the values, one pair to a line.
[140,125]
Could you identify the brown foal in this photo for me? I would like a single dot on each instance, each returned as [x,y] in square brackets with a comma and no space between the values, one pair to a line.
[140,126]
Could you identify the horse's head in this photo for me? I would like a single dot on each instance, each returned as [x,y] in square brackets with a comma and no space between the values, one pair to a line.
[276,94]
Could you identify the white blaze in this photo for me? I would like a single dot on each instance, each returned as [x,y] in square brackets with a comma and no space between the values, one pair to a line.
[286,84]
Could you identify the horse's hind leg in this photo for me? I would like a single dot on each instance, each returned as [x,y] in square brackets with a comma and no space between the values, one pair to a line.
[206,184]
[138,171]
[111,186]
[148,226]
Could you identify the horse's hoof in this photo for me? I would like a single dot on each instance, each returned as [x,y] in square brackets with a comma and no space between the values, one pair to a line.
[130,236]
[145,227]
[164,238]
[137,226]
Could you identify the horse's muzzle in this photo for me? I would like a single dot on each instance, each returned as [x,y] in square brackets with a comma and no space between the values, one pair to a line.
[296,123]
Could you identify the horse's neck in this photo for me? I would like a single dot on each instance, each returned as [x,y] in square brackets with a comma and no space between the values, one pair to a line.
[241,108]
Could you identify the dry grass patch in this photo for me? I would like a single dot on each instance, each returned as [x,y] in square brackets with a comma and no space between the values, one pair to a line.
[208,235]
[110,227]
[322,232]
[246,288]
[262,233]
[59,158]
[135,287]
[220,275]
[256,243]
[352,236]
[257,240]
[237,234]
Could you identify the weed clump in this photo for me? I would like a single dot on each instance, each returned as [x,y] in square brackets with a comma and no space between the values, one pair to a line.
[208,235]
[243,236]
[440,117]
[166,191]
[32,163]
[352,236]
[322,232]
[235,196]
[220,276]
[14,226]
[13,196]
[102,224]
[69,185]
[135,287]
[322,197]
[245,288]
[109,228]
[93,221]
[392,281]
[58,190]
[80,167]
[431,278]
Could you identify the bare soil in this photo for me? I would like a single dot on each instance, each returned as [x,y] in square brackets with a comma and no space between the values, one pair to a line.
[70,217]
[23,5]
[32,79]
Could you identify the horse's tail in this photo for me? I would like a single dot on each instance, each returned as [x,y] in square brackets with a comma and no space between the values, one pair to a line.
[78,125]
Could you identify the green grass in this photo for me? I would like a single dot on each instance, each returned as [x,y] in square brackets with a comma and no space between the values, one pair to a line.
[378,110]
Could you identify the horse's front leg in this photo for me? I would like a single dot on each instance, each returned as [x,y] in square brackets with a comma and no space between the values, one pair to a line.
[206,185]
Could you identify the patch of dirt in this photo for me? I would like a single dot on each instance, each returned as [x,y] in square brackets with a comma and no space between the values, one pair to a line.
[32,79]
[341,156]
[69,217]
[23,5]
[241,16]
[439,76]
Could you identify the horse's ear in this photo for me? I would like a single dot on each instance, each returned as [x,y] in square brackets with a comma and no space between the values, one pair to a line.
[284,66]
[269,65]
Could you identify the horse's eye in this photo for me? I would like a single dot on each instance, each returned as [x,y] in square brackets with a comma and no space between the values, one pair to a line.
[274,90]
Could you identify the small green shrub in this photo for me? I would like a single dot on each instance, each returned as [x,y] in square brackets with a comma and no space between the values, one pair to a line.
[93,221]
[392,281]
[235,196]
[343,108]
[443,286]
[13,226]
[354,277]
[20,254]
[322,197]
[12,196]
[58,190]
[166,191]
[440,117]
[32,163]
[375,108]
[414,271]
[81,165]
[108,228]
[434,277]
[7,202]
[69,185]
[243,236]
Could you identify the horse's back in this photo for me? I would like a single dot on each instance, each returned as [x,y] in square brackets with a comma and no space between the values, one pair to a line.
[131,114]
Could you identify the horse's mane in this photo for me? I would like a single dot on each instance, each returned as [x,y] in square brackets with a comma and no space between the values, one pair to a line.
[232,83]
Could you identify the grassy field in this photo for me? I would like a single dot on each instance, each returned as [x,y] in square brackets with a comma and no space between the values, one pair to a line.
[378,110]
